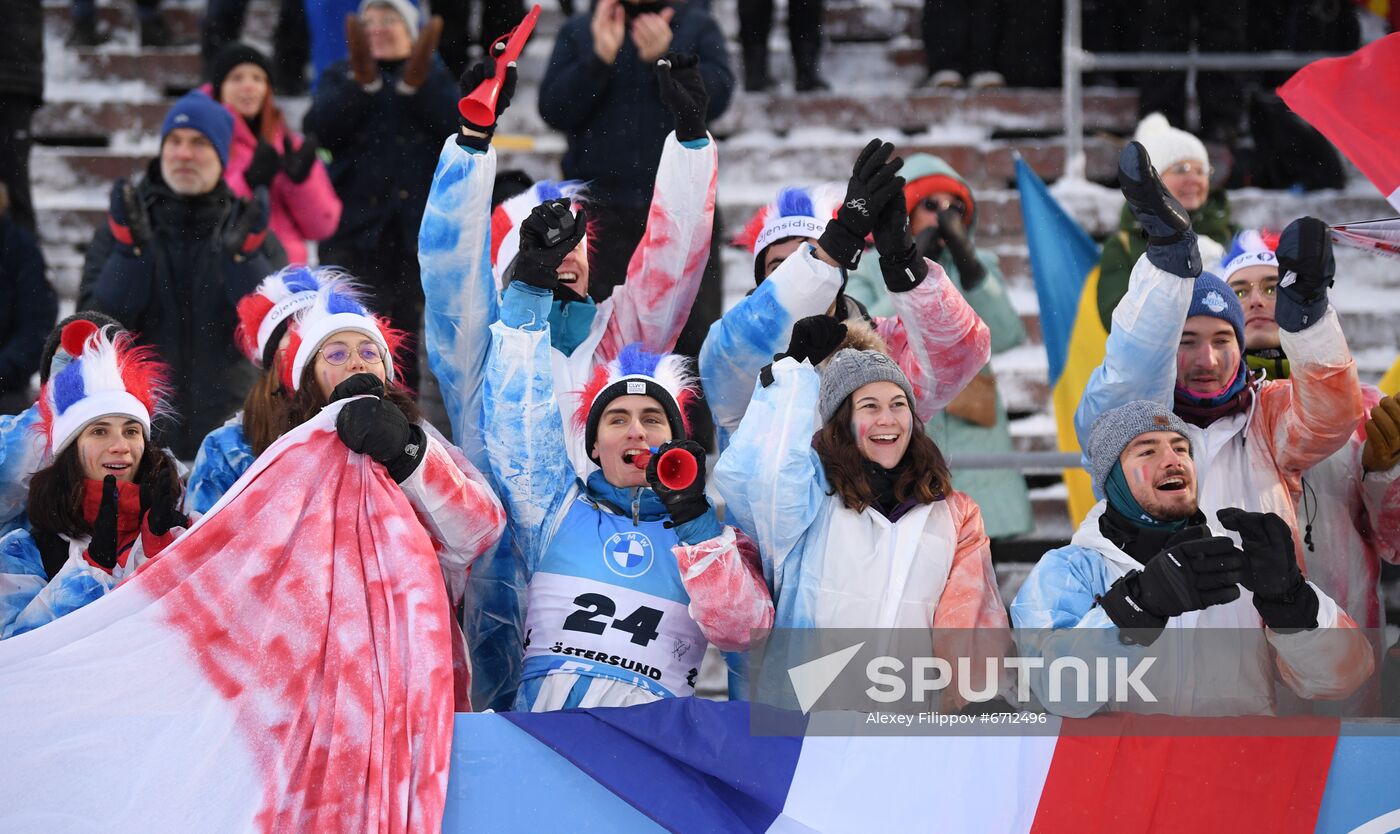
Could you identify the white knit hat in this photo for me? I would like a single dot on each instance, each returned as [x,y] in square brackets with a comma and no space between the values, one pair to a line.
[337,307]
[1167,145]
[406,10]
[109,376]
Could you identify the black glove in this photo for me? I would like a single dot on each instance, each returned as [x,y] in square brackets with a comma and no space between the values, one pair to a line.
[262,167]
[160,503]
[246,228]
[1281,596]
[547,237]
[814,339]
[901,265]
[1189,575]
[683,91]
[682,504]
[354,386]
[103,547]
[971,271]
[127,218]
[474,76]
[298,162]
[872,184]
[1171,242]
[1305,269]
[378,428]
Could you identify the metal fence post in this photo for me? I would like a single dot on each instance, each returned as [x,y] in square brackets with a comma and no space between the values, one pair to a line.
[1073,91]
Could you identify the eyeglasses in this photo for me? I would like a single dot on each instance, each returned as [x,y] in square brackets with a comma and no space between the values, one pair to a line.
[1186,168]
[935,206]
[338,353]
[1243,290]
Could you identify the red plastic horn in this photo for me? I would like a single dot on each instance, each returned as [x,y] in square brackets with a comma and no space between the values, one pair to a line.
[676,469]
[479,106]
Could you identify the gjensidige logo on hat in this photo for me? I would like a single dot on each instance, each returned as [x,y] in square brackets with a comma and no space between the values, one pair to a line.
[1214,302]
[628,554]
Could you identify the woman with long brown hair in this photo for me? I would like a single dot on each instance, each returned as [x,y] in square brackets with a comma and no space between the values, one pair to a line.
[108,500]
[266,317]
[851,503]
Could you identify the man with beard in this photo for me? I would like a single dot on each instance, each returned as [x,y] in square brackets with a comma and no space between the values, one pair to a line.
[1147,562]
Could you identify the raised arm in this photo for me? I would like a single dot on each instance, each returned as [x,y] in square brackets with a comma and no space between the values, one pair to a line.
[770,478]
[524,431]
[748,336]
[664,273]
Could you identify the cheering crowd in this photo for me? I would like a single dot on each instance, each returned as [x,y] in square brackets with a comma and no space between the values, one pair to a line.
[1248,478]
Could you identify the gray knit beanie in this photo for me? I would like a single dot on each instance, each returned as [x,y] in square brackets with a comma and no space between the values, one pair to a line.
[1115,429]
[849,369]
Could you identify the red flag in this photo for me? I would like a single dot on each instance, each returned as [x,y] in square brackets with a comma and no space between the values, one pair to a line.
[1164,774]
[1352,101]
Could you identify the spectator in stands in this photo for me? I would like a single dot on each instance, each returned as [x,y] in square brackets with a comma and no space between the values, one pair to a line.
[804,22]
[1148,561]
[341,349]
[266,319]
[383,115]
[28,307]
[943,219]
[1218,26]
[601,91]
[266,153]
[291,41]
[1350,503]
[22,450]
[154,31]
[468,252]
[109,499]
[851,504]
[1178,339]
[1185,170]
[497,18]
[696,581]
[930,331]
[178,251]
[21,93]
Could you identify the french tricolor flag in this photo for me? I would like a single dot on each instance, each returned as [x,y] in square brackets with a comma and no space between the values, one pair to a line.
[689,765]
[286,666]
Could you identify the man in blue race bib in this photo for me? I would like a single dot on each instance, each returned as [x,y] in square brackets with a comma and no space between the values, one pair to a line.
[629,580]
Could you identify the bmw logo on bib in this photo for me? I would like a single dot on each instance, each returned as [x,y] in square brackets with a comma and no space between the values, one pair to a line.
[628,554]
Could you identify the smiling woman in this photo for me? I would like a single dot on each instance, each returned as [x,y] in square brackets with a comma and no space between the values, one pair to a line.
[109,500]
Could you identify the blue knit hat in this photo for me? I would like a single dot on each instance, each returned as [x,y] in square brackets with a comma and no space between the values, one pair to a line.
[197,111]
[1213,297]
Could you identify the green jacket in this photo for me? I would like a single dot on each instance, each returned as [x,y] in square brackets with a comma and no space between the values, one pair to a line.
[1001,493]
[1122,249]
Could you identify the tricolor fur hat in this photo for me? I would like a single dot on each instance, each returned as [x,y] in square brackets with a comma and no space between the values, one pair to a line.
[507,217]
[265,313]
[665,377]
[109,376]
[1252,247]
[337,306]
[797,212]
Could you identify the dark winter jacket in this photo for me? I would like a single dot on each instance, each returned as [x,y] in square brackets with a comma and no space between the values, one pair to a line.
[384,147]
[179,295]
[22,49]
[28,306]
[613,115]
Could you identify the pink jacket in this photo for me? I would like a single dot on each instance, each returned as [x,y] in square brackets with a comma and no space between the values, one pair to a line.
[304,211]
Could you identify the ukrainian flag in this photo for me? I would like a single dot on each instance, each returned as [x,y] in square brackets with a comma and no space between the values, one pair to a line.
[1065,266]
